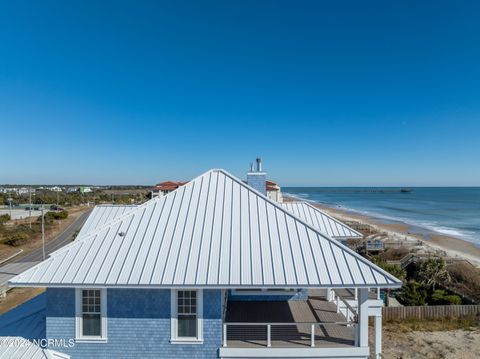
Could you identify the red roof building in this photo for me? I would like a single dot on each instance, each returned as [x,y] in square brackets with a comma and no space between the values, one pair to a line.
[166,187]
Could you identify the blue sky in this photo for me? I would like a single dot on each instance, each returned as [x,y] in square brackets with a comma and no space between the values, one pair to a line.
[328,93]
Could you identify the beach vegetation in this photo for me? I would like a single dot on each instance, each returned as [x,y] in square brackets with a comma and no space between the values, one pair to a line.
[4,218]
[442,297]
[20,233]
[465,280]
[16,238]
[412,293]
[434,272]
[393,269]
[394,254]
[432,325]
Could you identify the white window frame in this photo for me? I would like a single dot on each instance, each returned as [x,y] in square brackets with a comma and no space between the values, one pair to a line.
[79,337]
[174,318]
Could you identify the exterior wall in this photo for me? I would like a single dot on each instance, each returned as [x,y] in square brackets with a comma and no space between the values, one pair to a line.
[300,295]
[258,181]
[275,196]
[138,325]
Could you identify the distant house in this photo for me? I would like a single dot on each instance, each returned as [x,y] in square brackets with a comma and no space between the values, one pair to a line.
[55,189]
[213,269]
[23,191]
[166,187]
[84,189]
[274,192]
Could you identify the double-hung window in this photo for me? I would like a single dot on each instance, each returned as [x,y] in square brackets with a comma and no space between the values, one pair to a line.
[91,314]
[187,316]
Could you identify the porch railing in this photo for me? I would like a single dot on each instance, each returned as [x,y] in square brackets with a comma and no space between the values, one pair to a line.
[305,333]
[348,308]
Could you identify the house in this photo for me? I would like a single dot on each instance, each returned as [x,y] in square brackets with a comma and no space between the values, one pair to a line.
[274,192]
[212,269]
[166,187]
[23,191]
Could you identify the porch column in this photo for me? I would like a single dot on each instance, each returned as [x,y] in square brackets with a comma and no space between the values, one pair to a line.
[363,317]
[328,296]
[378,336]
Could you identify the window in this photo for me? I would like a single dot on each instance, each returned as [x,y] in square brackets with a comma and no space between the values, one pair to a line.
[91,314]
[187,316]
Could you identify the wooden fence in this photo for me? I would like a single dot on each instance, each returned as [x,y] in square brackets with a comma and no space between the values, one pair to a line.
[430,312]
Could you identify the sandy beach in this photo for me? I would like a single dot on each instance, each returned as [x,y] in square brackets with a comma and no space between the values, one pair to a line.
[453,247]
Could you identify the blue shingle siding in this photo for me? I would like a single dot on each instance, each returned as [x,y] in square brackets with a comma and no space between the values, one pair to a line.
[258,181]
[300,295]
[138,325]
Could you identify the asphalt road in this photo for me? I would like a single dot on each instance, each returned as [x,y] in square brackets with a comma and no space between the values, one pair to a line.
[22,263]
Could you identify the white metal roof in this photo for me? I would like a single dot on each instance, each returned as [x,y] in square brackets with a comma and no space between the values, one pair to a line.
[102,214]
[319,219]
[20,348]
[215,231]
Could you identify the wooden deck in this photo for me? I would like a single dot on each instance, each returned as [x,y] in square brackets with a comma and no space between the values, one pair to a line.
[300,313]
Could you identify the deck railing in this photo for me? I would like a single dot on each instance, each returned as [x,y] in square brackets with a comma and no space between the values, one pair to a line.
[305,333]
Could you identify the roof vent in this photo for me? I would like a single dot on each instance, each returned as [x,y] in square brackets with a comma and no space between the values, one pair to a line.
[121,234]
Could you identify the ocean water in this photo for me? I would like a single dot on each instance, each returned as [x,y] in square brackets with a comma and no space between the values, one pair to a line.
[452,211]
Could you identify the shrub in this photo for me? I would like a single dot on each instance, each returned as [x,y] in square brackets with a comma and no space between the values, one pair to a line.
[412,293]
[441,297]
[50,216]
[16,238]
[434,271]
[453,299]
[4,218]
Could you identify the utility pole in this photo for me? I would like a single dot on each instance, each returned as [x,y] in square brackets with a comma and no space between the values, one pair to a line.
[43,234]
[30,208]
[57,198]
[10,206]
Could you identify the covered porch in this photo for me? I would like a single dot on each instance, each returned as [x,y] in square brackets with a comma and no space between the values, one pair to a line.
[309,328]
[314,322]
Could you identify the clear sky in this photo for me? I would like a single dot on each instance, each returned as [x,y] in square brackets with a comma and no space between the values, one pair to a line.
[327,92]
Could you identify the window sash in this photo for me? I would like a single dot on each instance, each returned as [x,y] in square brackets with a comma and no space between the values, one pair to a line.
[187,314]
[91,314]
